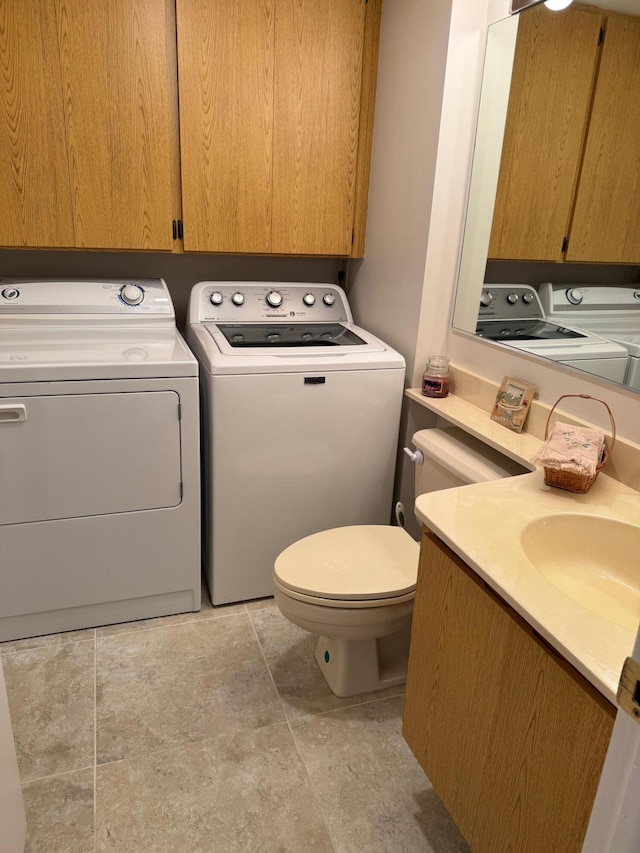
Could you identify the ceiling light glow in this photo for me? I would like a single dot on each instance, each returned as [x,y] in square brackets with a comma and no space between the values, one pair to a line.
[557,5]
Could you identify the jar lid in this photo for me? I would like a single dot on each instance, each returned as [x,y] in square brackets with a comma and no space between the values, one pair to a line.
[438,361]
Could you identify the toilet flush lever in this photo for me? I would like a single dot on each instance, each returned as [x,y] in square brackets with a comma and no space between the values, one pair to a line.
[414,455]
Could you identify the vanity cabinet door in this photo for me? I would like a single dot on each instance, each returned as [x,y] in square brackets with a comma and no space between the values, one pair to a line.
[605,223]
[553,74]
[88,150]
[511,737]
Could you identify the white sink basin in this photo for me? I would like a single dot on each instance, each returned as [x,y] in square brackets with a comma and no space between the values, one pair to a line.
[593,559]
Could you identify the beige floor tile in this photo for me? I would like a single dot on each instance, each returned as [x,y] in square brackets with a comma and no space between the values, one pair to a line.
[289,652]
[180,684]
[60,813]
[47,640]
[51,699]
[373,793]
[239,794]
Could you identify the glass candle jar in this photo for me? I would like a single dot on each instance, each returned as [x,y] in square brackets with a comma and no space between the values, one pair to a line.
[436,379]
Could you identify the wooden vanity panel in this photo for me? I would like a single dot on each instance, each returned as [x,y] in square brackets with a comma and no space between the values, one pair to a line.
[607,212]
[511,737]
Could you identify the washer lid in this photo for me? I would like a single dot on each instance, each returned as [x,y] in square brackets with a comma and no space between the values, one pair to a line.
[359,562]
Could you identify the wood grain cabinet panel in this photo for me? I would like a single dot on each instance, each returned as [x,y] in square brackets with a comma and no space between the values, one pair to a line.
[226,57]
[606,221]
[34,170]
[512,738]
[319,54]
[89,103]
[547,117]
[272,146]
[120,118]
[248,121]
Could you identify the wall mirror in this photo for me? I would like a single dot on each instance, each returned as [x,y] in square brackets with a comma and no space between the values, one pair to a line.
[550,260]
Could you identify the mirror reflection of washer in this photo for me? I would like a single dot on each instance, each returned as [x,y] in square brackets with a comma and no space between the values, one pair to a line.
[100,505]
[301,411]
[512,314]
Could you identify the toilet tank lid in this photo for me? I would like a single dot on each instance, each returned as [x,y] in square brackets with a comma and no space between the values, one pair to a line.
[468,458]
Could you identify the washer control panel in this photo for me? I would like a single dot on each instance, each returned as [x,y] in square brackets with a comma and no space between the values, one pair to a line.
[248,301]
[504,301]
[80,298]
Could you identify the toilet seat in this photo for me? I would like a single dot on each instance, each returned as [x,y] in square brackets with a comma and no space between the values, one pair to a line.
[350,567]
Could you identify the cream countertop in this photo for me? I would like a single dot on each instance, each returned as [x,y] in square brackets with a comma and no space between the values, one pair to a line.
[481,523]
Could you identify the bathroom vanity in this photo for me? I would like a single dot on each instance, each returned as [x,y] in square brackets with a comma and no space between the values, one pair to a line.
[518,641]
[511,737]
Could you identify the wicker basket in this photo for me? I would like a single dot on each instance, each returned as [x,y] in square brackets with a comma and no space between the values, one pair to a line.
[567,479]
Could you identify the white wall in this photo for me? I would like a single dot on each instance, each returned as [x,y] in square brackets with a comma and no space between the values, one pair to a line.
[429,78]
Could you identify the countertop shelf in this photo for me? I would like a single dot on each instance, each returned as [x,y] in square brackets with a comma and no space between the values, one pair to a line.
[519,446]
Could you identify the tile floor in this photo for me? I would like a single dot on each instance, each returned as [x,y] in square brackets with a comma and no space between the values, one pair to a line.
[210,731]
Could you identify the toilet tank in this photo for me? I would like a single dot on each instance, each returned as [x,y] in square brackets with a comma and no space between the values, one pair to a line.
[453,458]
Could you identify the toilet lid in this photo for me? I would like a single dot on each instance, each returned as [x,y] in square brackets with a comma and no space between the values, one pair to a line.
[359,562]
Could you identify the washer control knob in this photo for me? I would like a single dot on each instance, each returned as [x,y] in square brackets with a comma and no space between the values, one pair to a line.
[527,297]
[309,299]
[131,294]
[11,293]
[238,298]
[574,295]
[329,299]
[512,298]
[216,298]
[274,299]
[486,298]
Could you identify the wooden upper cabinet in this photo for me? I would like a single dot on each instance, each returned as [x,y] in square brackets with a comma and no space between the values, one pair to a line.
[225,71]
[553,74]
[606,222]
[88,151]
[118,83]
[34,171]
[272,147]
[319,51]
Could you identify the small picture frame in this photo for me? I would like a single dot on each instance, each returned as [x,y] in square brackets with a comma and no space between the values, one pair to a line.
[512,403]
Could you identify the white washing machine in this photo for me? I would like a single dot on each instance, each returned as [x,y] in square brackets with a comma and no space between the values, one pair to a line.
[99,435]
[611,311]
[512,314]
[301,411]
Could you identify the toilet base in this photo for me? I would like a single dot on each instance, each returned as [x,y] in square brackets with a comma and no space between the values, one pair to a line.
[364,666]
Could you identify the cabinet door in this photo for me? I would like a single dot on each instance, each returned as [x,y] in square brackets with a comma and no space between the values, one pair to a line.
[511,737]
[319,53]
[120,112]
[225,72]
[34,172]
[605,223]
[552,82]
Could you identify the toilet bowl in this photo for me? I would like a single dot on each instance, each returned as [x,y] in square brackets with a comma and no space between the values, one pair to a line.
[354,586]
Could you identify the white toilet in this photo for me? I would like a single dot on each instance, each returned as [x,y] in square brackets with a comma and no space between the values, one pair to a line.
[354,586]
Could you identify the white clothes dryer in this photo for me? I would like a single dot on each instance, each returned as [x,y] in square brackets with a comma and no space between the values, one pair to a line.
[301,411]
[99,436]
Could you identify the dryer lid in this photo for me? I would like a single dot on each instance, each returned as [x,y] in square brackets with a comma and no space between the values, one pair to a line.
[348,563]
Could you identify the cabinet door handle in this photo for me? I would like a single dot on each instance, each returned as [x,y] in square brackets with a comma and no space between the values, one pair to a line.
[13,414]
